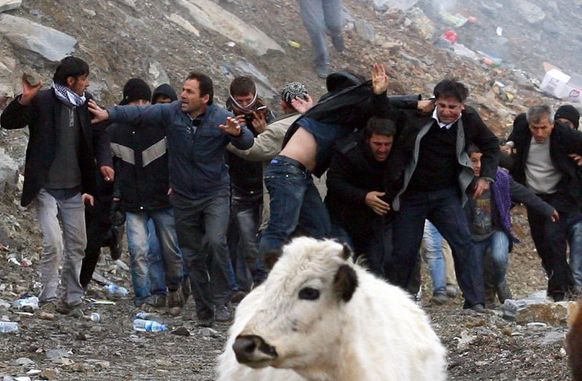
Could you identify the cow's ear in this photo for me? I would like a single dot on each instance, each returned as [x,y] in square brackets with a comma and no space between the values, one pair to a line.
[345,282]
[271,258]
[347,252]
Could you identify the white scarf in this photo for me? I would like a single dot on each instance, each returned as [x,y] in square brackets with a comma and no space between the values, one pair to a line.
[68,97]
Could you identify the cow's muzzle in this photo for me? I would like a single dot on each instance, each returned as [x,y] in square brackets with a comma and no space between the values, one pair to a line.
[253,351]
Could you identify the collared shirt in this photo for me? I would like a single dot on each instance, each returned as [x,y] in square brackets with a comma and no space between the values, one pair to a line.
[441,124]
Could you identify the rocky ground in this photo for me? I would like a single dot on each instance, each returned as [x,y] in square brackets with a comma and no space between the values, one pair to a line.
[125,38]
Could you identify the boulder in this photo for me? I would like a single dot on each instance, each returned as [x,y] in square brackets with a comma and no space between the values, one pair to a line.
[211,16]
[8,5]
[185,24]
[8,171]
[31,40]
[156,74]
[529,11]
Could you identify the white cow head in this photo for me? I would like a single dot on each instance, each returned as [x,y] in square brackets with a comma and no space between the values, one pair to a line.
[299,320]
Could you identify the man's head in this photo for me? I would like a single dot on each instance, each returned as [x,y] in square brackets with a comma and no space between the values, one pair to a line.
[379,133]
[475,156]
[450,96]
[541,122]
[569,115]
[72,72]
[197,93]
[136,92]
[164,94]
[243,91]
[291,91]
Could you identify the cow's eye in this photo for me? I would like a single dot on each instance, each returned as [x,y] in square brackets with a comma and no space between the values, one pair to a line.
[309,293]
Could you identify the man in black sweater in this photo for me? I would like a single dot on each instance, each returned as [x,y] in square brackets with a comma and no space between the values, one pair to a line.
[428,173]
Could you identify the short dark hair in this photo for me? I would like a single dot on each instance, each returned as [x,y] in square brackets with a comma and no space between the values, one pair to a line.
[70,67]
[473,149]
[242,86]
[205,84]
[380,126]
[451,87]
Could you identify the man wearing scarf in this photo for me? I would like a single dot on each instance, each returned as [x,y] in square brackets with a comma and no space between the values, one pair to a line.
[59,173]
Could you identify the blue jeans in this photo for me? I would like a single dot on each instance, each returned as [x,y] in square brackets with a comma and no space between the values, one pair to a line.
[499,244]
[443,208]
[433,252]
[321,17]
[246,211]
[295,203]
[574,231]
[137,242]
[155,262]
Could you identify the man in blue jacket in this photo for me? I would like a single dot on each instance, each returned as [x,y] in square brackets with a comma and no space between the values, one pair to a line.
[198,132]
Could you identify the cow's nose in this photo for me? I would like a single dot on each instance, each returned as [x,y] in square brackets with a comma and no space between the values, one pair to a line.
[253,349]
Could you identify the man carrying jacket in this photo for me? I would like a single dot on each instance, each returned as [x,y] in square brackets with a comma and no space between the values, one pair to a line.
[428,174]
[60,173]
[197,133]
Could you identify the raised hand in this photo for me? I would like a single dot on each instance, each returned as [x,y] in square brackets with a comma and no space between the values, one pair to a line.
[302,105]
[380,80]
[99,114]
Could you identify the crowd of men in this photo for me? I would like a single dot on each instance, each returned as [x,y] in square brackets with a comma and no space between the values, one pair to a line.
[187,179]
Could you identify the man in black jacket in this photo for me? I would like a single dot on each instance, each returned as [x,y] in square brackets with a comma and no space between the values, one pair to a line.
[59,172]
[428,174]
[355,181]
[542,162]
[141,191]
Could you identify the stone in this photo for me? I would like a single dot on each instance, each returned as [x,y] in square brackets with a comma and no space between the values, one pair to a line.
[384,5]
[422,23]
[531,12]
[264,87]
[156,74]
[211,16]
[181,331]
[8,171]
[43,315]
[57,353]
[185,24]
[208,332]
[8,5]
[365,30]
[49,374]
[22,361]
[32,40]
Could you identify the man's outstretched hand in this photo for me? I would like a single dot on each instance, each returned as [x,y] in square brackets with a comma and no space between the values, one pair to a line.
[99,114]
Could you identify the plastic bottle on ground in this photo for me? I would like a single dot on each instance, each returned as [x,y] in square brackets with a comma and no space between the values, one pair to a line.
[148,326]
[8,326]
[114,289]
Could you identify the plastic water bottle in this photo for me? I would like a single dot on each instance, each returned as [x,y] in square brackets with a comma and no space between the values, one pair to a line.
[8,326]
[143,315]
[118,290]
[148,326]
[26,304]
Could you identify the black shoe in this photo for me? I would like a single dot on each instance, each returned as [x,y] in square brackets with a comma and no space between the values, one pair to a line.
[439,299]
[558,296]
[205,323]
[237,296]
[503,292]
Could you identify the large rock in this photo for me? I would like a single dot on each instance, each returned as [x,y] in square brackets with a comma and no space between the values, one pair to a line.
[211,16]
[8,5]
[156,74]
[531,12]
[8,171]
[32,40]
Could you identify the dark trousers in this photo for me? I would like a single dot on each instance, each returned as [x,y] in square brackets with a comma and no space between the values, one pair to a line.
[209,265]
[550,239]
[443,208]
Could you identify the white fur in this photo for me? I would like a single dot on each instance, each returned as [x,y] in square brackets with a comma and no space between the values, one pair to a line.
[378,335]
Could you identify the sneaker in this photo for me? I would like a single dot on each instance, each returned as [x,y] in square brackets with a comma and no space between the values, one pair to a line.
[223,313]
[205,323]
[439,299]
[49,307]
[159,300]
[452,291]
[322,71]
[176,298]
[75,310]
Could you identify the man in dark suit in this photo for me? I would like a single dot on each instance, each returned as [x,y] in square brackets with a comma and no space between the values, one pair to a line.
[59,173]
